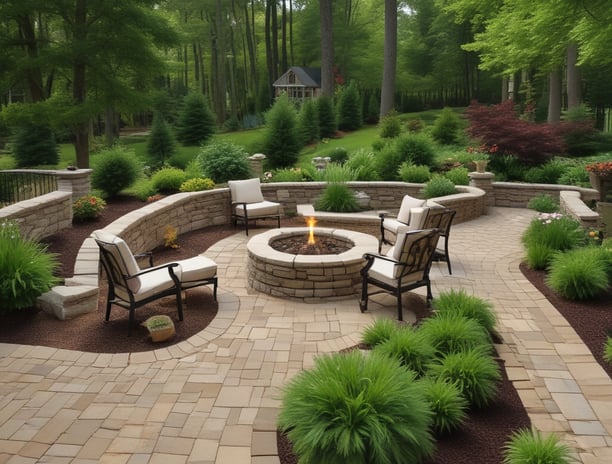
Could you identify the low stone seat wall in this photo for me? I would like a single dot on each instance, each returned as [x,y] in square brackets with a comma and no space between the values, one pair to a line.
[571,204]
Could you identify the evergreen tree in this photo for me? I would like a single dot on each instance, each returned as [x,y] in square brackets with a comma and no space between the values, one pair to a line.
[35,146]
[161,145]
[327,117]
[282,139]
[349,109]
[308,122]
[371,110]
[196,121]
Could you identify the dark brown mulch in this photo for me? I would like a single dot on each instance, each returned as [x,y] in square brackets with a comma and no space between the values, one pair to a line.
[480,440]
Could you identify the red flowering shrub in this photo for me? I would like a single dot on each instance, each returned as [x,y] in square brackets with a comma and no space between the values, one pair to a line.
[500,125]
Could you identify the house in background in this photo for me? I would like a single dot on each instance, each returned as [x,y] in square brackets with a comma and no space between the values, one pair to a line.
[299,83]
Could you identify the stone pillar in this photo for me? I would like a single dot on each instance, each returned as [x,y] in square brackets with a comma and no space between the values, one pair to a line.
[484,181]
[76,181]
[256,163]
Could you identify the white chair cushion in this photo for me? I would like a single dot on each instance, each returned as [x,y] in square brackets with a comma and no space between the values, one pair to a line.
[408,203]
[388,272]
[152,283]
[263,208]
[197,268]
[125,258]
[246,191]
[417,218]
[393,225]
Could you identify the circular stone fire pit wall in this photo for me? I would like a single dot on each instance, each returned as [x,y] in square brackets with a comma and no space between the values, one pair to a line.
[307,277]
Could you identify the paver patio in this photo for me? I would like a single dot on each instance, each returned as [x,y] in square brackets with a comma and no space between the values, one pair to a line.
[214,397]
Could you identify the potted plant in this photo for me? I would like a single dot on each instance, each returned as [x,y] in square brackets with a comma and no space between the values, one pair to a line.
[600,175]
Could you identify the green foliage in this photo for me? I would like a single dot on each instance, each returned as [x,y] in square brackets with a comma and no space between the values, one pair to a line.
[379,331]
[531,447]
[338,155]
[358,409]
[474,372]
[608,350]
[411,347]
[543,203]
[575,175]
[308,122]
[390,126]
[415,125]
[168,180]
[548,173]
[197,185]
[409,172]
[114,169]
[506,167]
[87,208]
[193,170]
[160,144]
[449,332]
[349,109]
[458,302]
[142,189]
[446,127]
[223,161]
[372,109]
[447,403]
[35,146]
[327,117]
[282,140]
[289,175]
[581,273]
[416,147]
[26,269]
[538,256]
[337,197]
[438,186]
[363,163]
[196,123]
[458,176]
[387,161]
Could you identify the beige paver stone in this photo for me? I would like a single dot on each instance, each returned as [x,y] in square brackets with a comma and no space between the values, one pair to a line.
[574,406]
[233,455]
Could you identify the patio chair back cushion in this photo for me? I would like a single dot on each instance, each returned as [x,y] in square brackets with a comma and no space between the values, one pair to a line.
[405,211]
[246,191]
[119,258]
[414,252]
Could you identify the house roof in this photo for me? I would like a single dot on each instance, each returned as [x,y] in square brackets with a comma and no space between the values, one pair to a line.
[305,77]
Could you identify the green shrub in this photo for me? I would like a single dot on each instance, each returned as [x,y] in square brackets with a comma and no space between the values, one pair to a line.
[160,144]
[448,404]
[531,447]
[438,186]
[197,185]
[446,127]
[387,161]
[222,161]
[553,231]
[372,109]
[168,180]
[114,169]
[349,109]
[379,331]
[411,347]
[450,333]
[506,167]
[417,148]
[35,146]
[363,163]
[193,170]
[543,203]
[409,172]
[390,126]
[287,175]
[415,125]
[327,117]
[548,173]
[338,155]
[26,268]
[458,302]
[538,256]
[337,197]
[458,176]
[282,143]
[474,372]
[196,122]
[143,189]
[581,273]
[575,175]
[87,208]
[308,122]
[608,350]
[358,409]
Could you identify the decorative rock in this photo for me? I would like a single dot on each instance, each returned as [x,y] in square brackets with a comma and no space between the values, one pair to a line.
[161,328]
[68,302]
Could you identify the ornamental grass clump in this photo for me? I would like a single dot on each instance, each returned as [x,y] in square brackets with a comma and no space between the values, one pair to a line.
[410,347]
[448,404]
[450,333]
[438,186]
[357,408]
[26,269]
[580,274]
[531,447]
[379,331]
[543,203]
[548,233]
[473,371]
[608,349]
[460,303]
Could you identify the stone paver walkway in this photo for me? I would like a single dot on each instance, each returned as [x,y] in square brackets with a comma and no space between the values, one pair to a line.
[214,398]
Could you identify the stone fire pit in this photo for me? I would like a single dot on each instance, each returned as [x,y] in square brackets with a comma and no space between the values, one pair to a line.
[309,278]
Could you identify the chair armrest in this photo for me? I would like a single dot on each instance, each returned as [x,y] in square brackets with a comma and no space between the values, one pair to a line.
[383,214]
[370,257]
[146,254]
[169,266]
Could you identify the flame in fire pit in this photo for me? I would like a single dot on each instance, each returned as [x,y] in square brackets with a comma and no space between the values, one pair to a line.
[311,223]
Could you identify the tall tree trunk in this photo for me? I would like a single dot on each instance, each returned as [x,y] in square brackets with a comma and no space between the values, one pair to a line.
[574,94]
[274,25]
[268,37]
[284,65]
[327,48]
[34,80]
[219,52]
[390,58]
[79,89]
[554,96]
[505,94]
[251,49]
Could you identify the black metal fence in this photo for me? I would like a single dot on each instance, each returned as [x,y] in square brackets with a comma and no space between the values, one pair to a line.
[19,185]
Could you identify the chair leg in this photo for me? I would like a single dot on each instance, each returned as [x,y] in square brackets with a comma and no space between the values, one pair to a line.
[108,308]
[363,303]
[400,312]
[278,222]
[429,294]
[446,256]
[131,320]
[179,304]
[215,289]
